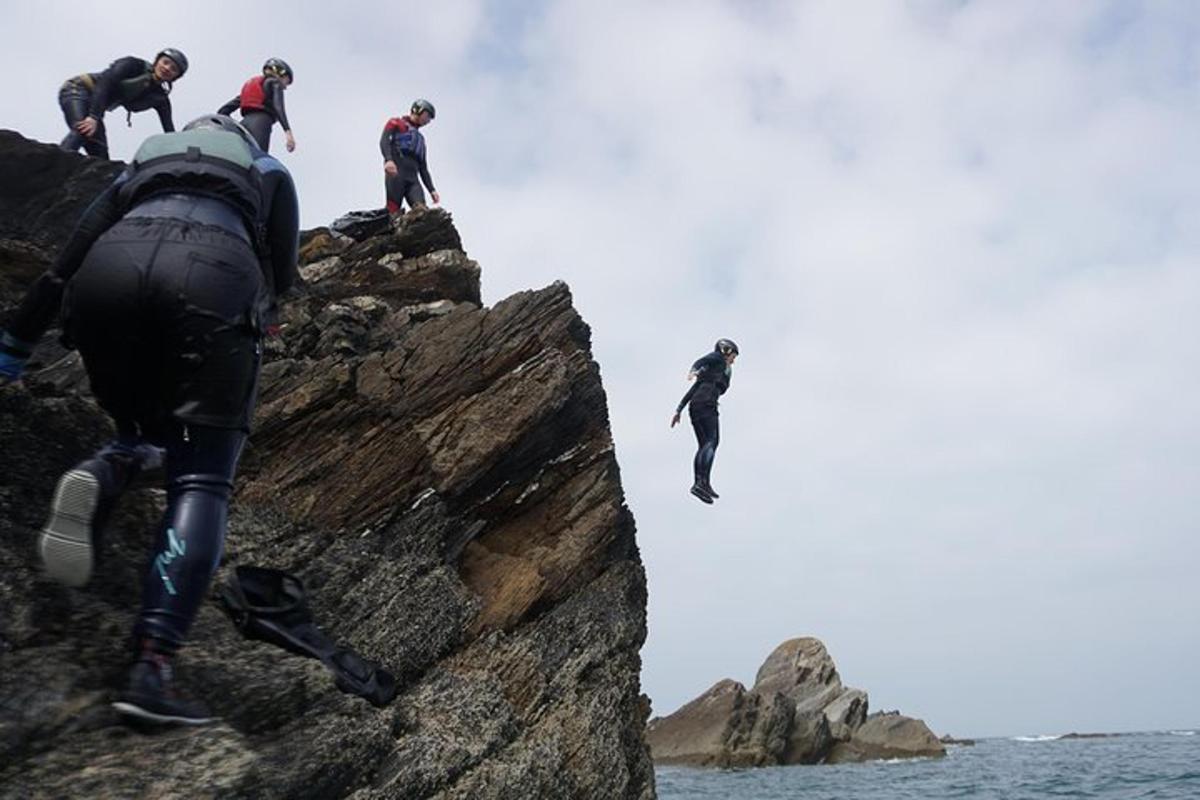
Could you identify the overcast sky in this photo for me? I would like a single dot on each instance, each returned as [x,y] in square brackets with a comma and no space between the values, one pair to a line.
[957,242]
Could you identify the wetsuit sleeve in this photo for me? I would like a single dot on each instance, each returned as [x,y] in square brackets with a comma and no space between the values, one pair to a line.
[425,179]
[164,115]
[385,141]
[43,300]
[283,229]
[276,102]
[119,70]
[231,106]
[687,397]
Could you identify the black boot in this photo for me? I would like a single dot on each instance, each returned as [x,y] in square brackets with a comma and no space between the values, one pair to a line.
[706,486]
[150,695]
[698,491]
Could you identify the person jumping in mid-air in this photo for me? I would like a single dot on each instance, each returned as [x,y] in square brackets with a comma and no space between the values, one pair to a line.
[711,374]
[403,149]
[261,104]
[131,82]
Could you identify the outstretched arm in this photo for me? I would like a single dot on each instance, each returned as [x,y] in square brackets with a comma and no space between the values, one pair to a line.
[231,106]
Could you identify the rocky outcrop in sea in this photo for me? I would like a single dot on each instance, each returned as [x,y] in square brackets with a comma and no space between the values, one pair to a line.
[440,474]
[798,712]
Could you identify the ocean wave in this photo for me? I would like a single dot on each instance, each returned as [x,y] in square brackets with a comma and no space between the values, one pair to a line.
[1182,733]
[1044,738]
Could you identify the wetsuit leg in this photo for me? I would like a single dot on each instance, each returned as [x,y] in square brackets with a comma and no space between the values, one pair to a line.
[75,101]
[201,462]
[259,123]
[708,436]
[414,194]
[162,312]
[394,190]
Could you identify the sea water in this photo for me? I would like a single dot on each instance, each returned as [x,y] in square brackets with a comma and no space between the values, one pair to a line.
[1164,765]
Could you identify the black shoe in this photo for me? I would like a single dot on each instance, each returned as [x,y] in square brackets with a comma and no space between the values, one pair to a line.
[66,543]
[151,696]
[698,491]
[707,487]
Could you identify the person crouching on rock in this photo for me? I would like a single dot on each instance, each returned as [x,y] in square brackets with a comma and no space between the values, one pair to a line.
[261,104]
[131,82]
[167,292]
[711,373]
[403,148]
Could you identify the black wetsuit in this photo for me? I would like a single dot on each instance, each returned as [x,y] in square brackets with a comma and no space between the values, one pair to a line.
[403,143]
[259,121]
[127,82]
[712,380]
[166,292]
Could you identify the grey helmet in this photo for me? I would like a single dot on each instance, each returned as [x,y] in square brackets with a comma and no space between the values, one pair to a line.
[277,66]
[175,55]
[223,123]
[421,104]
[726,346]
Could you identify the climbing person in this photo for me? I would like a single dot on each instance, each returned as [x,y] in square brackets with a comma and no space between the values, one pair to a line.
[166,287]
[131,82]
[403,148]
[711,374]
[261,103]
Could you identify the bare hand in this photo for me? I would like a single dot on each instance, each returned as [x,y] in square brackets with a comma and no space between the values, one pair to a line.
[675,419]
[87,126]
[291,141]
[389,167]
[437,198]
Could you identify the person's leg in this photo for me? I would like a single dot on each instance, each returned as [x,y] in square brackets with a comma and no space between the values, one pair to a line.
[83,501]
[394,194]
[101,314]
[201,296]
[259,124]
[74,102]
[414,194]
[704,424]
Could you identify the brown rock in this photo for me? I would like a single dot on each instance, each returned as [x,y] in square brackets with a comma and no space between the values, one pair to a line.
[888,736]
[440,475]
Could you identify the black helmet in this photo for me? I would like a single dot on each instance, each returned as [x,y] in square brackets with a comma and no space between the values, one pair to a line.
[175,55]
[277,66]
[220,122]
[421,104]
[725,347]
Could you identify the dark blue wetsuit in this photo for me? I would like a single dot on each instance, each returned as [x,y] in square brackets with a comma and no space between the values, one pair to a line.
[712,381]
[127,82]
[166,286]
[259,116]
[403,143]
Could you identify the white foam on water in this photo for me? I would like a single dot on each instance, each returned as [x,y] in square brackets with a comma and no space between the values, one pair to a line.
[1182,733]
[1044,738]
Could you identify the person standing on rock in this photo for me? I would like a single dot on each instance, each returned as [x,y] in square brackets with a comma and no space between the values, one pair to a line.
[261,104]
[711,374]
[131,82]
[404,167]
[166,286]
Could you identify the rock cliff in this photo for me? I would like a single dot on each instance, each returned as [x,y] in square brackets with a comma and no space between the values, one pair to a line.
[798,712]
[442,477]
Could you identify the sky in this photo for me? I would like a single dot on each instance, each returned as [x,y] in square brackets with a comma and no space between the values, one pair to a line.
[957,243]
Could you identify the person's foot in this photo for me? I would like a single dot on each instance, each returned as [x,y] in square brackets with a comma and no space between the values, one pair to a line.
[151,696]
[699,492]
[707,487]
[66,544]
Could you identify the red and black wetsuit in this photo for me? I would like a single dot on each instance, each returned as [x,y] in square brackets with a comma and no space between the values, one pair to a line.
[403,144]
[127,82]
[261,104]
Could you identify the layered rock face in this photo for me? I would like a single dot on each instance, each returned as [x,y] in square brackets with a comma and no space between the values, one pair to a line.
[442,477]
[797,713]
